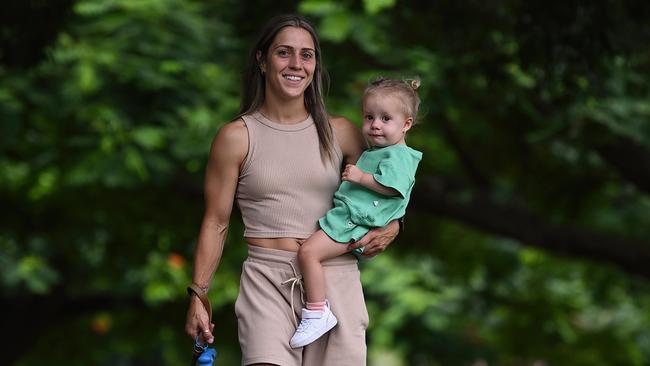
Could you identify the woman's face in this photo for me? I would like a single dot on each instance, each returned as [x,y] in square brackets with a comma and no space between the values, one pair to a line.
[290,63]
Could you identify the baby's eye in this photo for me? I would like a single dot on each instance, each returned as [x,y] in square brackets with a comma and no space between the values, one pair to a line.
[385,118]
[368,117]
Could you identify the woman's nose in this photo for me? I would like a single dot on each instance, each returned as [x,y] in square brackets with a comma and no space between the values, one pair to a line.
[294,61]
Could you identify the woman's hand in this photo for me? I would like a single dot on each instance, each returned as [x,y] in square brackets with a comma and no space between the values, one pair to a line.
[198,323]
[377,240]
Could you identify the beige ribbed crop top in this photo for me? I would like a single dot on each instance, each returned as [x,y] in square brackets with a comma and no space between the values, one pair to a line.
[284,187]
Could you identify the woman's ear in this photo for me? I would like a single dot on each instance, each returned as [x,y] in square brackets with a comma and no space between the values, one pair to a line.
[260,62]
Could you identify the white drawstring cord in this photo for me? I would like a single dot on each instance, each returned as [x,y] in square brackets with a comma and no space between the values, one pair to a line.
[295,280]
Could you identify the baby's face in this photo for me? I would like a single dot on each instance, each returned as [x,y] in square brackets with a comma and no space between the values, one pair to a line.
[384,120]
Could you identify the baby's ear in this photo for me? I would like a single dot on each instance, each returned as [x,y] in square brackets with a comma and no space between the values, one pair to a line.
[407,124]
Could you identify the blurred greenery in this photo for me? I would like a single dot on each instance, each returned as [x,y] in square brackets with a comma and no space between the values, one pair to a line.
[526,241]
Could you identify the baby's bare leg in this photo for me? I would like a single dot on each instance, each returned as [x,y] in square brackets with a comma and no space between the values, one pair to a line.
[316,249]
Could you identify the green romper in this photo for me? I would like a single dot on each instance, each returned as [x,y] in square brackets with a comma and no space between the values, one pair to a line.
[358,209]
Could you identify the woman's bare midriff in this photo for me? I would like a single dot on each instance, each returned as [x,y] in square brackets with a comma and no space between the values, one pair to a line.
[289,244]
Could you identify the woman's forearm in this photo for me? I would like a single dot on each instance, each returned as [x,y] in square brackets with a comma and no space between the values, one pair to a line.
[208,252]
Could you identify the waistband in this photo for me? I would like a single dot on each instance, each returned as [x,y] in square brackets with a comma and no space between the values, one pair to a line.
[261,254]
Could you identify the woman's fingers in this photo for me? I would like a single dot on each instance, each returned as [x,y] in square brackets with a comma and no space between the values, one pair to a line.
[197,324]
[206,334]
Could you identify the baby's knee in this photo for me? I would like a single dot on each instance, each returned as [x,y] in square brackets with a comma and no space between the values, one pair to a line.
[306,251]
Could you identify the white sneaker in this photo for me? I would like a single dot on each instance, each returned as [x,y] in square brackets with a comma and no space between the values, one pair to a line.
[314,323]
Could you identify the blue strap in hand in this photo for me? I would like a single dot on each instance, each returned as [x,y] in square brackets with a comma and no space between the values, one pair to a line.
[207,354]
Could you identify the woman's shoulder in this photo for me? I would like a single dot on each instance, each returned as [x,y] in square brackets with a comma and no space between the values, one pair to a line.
[349,138]
[234,129]
[340,122]
[344,128]
[232,137]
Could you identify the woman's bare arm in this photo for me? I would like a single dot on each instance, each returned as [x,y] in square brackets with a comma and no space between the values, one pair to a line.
[229,148]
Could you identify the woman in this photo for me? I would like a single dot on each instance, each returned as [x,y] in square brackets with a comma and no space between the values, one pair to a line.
[281,159]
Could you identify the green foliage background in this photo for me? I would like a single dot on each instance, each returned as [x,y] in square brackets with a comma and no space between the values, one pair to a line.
[525,104]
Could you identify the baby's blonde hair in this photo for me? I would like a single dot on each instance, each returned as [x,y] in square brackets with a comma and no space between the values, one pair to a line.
[405,88]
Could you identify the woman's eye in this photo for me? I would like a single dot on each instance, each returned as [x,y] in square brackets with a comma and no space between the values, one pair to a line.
[307,56]
[283,53]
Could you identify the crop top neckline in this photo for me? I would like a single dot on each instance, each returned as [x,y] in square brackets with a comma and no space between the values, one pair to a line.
[282,126]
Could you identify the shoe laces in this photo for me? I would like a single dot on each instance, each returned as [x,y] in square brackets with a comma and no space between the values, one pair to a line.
[305,324]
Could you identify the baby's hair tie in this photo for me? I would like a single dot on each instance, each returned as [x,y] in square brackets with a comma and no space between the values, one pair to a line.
[414,84]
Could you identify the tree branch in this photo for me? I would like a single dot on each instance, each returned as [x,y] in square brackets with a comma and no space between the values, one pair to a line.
[478,177]
[629,158]
[432,195]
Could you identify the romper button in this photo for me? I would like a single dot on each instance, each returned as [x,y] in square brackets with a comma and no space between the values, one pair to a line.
[350,223]
[375,203]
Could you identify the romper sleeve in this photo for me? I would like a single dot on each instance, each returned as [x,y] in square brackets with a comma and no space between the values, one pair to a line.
[397,171]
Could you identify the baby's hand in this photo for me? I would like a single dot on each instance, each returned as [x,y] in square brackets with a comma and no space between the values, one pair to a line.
[352,174]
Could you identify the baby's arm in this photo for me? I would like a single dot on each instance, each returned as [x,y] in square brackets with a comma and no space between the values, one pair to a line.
[355,175]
